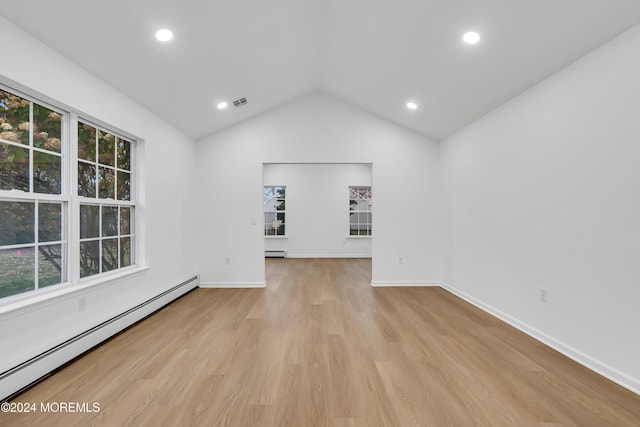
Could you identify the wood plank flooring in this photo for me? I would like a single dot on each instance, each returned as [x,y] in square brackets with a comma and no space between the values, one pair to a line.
[320,347]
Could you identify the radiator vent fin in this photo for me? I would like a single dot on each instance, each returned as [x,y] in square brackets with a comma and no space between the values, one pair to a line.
[275,254]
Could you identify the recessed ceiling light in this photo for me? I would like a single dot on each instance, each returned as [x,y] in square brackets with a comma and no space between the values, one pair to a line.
[222,105]
[164,35]
[412,105]
[471,37]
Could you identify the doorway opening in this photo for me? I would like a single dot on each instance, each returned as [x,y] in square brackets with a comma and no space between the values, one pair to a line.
[318,210]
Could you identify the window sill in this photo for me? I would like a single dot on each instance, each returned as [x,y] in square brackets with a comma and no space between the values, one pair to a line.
[358,237]
[63,291]
[276,237]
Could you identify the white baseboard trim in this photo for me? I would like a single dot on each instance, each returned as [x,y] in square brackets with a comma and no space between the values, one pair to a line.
[620,378]
[384,284]
[232,285]
[294,255]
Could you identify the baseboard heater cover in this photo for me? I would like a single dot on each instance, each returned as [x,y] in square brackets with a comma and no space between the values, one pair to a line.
[13,381]
[275,254]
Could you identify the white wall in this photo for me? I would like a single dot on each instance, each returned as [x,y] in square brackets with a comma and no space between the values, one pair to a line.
[317,209]
[168,176]
[544,193]
[318,129]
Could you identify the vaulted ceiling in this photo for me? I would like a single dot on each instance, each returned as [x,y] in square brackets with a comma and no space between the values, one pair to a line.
[375,54]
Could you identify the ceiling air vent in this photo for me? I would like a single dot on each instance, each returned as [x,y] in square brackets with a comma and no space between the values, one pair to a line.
[240,102]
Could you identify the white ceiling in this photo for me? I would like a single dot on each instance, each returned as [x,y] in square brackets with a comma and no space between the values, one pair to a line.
[376,54]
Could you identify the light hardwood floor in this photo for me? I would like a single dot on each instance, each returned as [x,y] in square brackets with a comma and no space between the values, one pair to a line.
[320,347]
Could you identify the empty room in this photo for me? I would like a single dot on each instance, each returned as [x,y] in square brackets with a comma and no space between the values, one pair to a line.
[320,213]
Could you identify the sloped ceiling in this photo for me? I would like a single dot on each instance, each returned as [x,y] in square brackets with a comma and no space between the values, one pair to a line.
[375,54]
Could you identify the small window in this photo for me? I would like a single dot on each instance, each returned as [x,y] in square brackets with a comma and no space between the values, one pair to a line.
[274,210]
[360,211]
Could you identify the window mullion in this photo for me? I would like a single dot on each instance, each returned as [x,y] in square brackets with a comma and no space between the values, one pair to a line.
[100,240]
[118,229]
[65,243]
[36,244]
[96,165]
[73,211]
[31,147]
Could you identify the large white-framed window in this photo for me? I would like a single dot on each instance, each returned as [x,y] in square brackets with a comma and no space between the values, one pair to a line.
[106,202]
[360,211]
[33,197]
[67,197]
[275,210]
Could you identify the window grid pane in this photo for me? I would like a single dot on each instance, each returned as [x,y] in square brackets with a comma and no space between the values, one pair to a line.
[15,120]
[125,252]
[14,167]
[124,154]
[106,149]
[87,142]
[18,223]
[47,173]
[87,180]
[49,222]
[50,266]
[17,271]
[47,129]
[89,258]
[109,255]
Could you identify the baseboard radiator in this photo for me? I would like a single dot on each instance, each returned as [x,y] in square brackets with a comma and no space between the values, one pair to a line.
[275,254]
[13,381]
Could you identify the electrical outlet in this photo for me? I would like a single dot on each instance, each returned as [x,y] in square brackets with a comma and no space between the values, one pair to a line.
[227,261]
[82,303]
[400,260]
[253,221]
[544,294]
